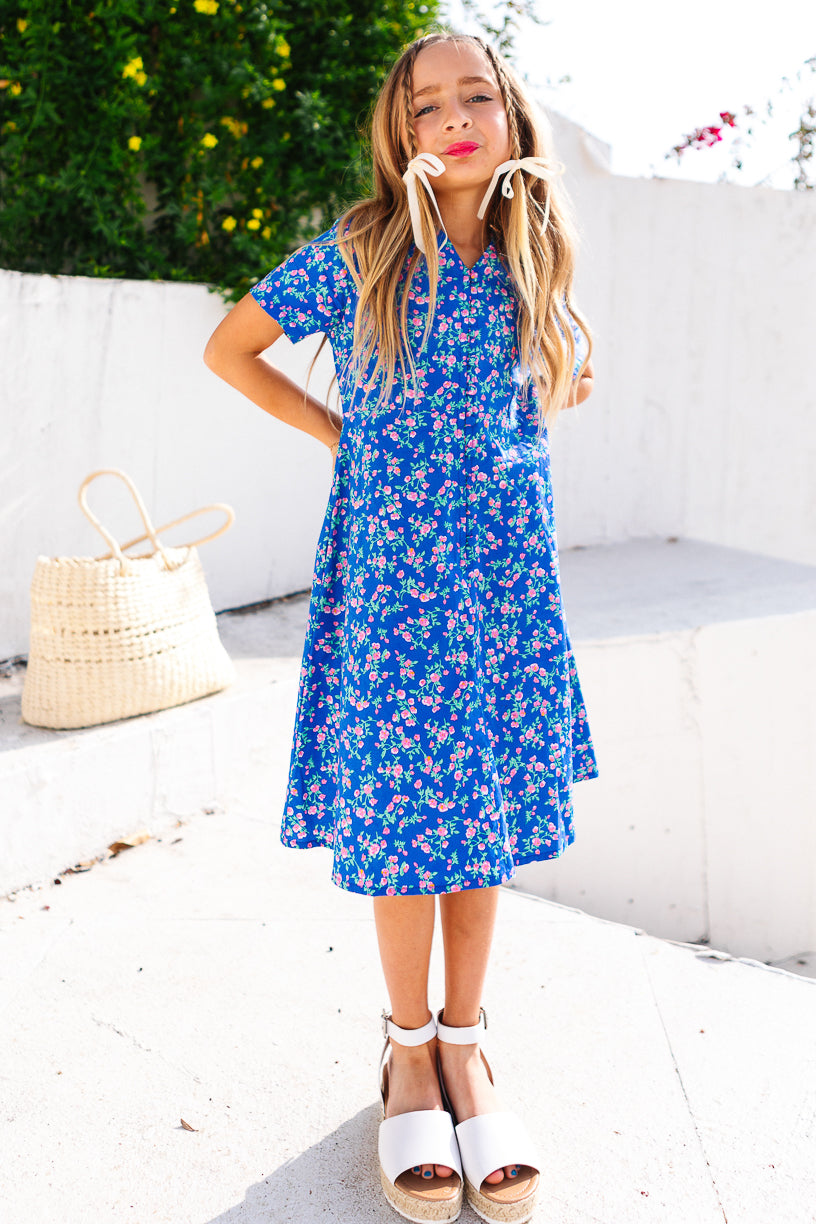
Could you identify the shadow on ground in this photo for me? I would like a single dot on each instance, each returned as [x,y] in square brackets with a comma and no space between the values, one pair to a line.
[335,1179]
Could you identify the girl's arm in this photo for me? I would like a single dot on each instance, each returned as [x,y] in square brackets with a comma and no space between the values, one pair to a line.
[233,352]
[582,388]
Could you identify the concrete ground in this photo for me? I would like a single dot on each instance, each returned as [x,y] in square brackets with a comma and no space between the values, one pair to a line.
[215,976]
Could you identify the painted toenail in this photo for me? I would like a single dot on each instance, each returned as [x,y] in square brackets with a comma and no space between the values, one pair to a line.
[417,1169]
[514,1171]
[428,1173]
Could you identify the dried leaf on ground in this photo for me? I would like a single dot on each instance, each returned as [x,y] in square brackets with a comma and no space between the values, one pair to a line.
[187,1125]
[126,843]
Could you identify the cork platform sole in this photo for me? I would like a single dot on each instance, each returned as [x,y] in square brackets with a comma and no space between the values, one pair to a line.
[503,1205]
[417,1198]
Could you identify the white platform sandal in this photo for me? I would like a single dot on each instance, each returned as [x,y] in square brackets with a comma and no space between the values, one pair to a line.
[490,1141]
[423,1136]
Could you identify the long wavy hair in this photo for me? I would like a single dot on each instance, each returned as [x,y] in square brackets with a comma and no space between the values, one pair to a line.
[375,235]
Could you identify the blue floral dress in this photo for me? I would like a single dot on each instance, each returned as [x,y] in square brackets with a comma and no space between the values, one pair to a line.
[440,723]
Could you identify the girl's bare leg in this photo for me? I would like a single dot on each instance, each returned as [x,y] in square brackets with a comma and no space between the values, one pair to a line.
[404,933]
[468,919]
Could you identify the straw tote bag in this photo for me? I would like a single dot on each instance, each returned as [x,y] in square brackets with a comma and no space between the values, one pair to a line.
[115,636]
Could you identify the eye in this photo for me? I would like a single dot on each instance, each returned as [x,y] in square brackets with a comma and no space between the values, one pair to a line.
[475,98]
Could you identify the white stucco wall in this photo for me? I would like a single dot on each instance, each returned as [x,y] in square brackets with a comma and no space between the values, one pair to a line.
[702,421]
[703,418]
[106,373]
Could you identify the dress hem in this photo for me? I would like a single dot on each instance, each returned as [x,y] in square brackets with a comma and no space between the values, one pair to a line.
[518,861]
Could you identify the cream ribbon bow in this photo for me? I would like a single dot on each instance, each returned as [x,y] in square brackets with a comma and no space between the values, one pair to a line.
[419,168]
[539,166]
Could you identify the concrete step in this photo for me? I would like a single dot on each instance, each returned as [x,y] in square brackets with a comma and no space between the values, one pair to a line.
[67,794]
[697,664]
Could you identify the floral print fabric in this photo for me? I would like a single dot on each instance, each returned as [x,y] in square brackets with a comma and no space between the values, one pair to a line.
[440,724]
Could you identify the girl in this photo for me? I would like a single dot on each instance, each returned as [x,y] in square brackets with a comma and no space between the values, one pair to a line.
[440,723]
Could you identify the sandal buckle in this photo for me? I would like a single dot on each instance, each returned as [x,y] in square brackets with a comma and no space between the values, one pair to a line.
[385,1019]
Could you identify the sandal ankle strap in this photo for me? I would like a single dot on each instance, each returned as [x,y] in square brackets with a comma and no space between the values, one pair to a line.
[408,1037]
[461,1036]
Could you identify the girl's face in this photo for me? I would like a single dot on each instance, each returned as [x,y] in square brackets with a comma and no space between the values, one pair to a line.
[459,114]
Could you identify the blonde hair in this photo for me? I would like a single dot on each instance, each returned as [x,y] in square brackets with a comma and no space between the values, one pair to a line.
[375,235]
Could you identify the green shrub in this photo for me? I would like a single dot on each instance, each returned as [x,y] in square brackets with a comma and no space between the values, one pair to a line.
[196,140]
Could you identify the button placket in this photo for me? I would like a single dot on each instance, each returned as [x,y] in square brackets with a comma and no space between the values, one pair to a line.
[470,412]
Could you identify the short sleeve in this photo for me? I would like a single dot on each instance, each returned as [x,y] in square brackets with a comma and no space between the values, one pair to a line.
[307,293]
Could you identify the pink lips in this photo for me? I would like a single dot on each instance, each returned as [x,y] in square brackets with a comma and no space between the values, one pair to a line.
[463,149]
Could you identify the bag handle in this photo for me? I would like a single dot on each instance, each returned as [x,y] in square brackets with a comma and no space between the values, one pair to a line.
[118,550]
[228,511]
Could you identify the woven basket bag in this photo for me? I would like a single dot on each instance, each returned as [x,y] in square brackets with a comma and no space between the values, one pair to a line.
[115,636]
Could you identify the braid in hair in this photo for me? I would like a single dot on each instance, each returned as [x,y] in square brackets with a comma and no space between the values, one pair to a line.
[507,97]
[512,128]
[407,86]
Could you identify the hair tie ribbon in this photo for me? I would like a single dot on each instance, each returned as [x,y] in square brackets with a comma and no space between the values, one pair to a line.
[538,166]
[419,168]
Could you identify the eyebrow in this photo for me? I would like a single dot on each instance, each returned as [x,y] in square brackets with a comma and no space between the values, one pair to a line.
[466,80]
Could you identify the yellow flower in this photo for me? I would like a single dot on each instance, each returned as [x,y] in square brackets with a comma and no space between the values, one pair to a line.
[283,49]
[268,103]
[140,77]
[135,143]
[210,7]
[133,67]
[257,212]
[22,24]
[209,141]
[266,232]
[229,224]
[253,224]
[237,128]
[15,89]
[256,162]
[279,84]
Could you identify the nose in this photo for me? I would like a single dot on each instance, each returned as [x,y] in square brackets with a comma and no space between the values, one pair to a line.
[455,117]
